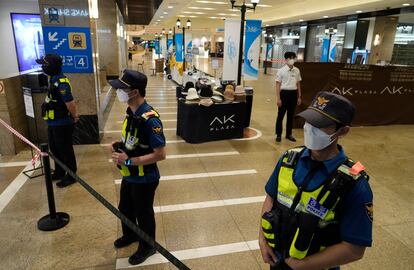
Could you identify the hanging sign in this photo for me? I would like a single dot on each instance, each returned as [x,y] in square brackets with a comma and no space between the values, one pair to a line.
[252,49]
[231,49]
[179,47]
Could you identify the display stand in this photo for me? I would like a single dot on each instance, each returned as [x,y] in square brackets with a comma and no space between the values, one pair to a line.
[30,112]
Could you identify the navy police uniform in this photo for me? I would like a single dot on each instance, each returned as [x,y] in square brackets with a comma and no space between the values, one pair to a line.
[142,129]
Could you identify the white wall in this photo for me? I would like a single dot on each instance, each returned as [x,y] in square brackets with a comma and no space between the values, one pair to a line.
[7,50]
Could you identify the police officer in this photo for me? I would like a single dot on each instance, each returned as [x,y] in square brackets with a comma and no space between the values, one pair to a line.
[142,145]
[318,210]
[59,110]
[288,95]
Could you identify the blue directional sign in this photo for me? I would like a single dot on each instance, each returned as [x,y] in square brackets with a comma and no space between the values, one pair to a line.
[73,44]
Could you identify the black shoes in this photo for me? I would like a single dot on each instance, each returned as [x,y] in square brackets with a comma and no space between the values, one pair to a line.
[65,182]
[56,177]
[278,138]
[291,138]
[124,241]
[141,255]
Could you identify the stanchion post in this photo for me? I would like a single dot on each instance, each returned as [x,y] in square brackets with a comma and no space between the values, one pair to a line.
[52,221]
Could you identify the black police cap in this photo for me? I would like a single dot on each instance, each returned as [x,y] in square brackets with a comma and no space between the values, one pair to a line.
[50,59]
[130,79]
[329,109]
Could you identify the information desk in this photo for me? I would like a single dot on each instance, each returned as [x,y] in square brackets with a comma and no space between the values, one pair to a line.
[197,124]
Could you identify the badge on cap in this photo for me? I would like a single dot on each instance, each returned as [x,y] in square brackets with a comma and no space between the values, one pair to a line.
[320,103]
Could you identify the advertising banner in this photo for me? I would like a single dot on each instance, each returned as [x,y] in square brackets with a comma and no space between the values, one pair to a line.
[252,49]
[382,95]
[231,49]
[179,47]
[170,45]
[188,43]
[157,47]
[73,44]
[269,51]
[332,51]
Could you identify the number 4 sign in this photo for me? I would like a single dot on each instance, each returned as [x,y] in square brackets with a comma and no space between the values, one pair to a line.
[81,61]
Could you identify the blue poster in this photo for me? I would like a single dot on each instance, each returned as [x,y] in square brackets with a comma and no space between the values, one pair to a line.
[252,48]
[73,44]
[157,47]
[169,44]
[269,51]
[324,55]
[179,47]
[332,53]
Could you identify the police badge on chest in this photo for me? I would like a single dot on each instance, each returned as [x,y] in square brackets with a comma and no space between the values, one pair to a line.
[130,143]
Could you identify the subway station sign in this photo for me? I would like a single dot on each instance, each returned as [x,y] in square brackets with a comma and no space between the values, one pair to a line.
[73,44]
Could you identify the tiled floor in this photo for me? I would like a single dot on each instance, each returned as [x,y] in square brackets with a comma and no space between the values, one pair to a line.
[86,243]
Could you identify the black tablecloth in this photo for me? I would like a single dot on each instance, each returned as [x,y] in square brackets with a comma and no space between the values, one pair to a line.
[197,124]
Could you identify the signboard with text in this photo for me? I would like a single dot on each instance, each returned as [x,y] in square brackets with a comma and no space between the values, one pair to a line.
[73,44]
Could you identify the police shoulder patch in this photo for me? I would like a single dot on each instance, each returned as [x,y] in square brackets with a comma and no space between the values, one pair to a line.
[369,209]
[157,130]
[62,91]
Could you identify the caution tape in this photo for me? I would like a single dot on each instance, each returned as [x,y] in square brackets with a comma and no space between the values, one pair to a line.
[22,138]
[141,234]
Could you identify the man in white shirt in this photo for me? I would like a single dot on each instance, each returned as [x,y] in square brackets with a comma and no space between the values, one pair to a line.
[288,95]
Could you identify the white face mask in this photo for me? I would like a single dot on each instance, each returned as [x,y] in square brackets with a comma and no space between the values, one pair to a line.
[122,96]
[316,139]
[290,62]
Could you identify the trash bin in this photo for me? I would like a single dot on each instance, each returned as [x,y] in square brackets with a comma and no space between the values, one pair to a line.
[249,104]
[159,65]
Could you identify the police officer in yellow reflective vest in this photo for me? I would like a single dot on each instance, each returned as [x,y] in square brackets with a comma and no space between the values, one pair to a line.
[142,145]
[318,210]
[59,110]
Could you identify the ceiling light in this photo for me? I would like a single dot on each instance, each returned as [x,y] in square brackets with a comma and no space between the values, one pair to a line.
[358,11]
[158,20]
[282,22]
[301,20]
[162,17]
[165,13]
[267,25]
[406,4]
[213,17]
[325,16]
[205,8]
[170,7]
[212,2]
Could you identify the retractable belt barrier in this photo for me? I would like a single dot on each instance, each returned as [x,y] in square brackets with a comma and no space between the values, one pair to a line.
[141,234]
[55,220]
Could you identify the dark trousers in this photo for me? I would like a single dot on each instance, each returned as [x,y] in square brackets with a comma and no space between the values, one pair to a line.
[289,100]
[136,203]
[61,146]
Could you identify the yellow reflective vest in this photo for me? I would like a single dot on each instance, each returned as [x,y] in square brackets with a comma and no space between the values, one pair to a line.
[54,107]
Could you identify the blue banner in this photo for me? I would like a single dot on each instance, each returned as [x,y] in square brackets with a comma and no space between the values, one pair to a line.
[169,44]
[252,48]
[269,51]
[179,47]
[324,55]
[73,44]
[157,47]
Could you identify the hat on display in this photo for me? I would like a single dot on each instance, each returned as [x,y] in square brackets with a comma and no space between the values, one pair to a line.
[192,94]
[207,102]
[205,91]
[329,109]
[187,86]
[248,90]
[130,80]
[239,94]
[229,93]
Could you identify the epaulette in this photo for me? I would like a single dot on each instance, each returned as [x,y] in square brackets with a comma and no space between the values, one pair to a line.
[291,156]
[150,114]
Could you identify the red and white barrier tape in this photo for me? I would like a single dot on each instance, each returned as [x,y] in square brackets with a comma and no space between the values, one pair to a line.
[21,137]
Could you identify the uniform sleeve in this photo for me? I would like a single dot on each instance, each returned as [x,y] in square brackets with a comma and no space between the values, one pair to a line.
[65,92]
[155,133]
[271,185]
[357,217]
[279,75]
[298,76]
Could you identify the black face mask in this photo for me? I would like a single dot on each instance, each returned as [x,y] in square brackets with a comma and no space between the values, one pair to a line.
[51,69]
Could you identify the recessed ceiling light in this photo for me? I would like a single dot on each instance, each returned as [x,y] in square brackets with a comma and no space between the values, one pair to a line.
[213,17]
[406,4]
[282,22]
[358,11]
[158,20]
[326,16]
[162,17]
[205,8]
[165,13]
[301,20]
[267,25]
[170,7]
[213,2]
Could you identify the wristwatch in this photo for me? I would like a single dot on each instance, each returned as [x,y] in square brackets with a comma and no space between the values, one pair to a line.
[128,162]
